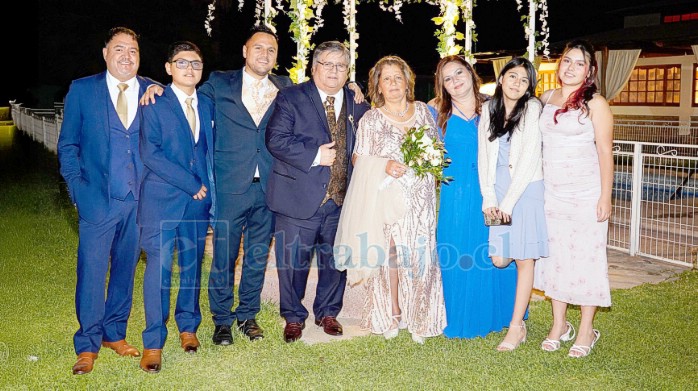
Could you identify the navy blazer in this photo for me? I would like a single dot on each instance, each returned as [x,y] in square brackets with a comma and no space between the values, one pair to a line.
[239,143]
[295,131]
[83,145]
[167,151]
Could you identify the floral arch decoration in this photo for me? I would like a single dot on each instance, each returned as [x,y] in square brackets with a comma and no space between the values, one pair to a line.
[306,19]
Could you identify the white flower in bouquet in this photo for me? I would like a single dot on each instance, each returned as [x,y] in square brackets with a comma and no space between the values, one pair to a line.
[424,154]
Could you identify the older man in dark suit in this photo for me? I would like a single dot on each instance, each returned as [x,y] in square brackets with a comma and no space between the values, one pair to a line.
[311,136]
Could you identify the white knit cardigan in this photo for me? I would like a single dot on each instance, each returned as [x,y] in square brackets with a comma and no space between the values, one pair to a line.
[525,157]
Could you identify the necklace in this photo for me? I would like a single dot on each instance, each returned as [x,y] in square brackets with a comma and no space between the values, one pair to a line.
[398,114]
[463,114]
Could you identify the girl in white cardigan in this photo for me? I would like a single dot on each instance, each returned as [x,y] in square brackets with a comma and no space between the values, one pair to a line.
[511,181]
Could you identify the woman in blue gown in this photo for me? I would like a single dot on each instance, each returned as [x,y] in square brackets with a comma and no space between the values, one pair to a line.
[479,297]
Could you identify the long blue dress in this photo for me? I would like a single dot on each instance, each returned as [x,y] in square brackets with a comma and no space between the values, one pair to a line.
[479,297]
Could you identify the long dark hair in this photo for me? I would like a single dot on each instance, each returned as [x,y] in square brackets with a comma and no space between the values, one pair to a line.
[443,101]
[581,97]
[500,125]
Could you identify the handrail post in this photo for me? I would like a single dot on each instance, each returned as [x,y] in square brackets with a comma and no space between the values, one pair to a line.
[636,199]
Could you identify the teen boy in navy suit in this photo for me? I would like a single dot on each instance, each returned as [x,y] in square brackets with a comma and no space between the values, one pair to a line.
[176,200]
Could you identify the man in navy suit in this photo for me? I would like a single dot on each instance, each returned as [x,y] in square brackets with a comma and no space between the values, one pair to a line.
[244,100]
[176,199]
[311,136]
[99,160]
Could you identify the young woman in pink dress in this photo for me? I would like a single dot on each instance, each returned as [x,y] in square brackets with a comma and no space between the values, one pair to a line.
[577,130]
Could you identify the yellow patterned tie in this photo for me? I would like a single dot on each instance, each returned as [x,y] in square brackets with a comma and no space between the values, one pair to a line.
[260,106]
[191,115]
[122,104]
[331,117]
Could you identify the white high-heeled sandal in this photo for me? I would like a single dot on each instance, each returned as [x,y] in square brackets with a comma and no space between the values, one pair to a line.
[507,346]
[402,325]
[418,339]
[392,333]
[551,345]
[584,350]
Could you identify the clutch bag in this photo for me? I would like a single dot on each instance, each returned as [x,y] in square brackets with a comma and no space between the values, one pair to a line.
[495,221]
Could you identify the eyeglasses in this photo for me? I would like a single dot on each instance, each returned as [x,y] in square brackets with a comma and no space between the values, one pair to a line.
[328,66]
[184,64]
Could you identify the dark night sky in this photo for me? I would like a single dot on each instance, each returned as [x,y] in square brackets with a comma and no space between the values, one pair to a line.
[60,40]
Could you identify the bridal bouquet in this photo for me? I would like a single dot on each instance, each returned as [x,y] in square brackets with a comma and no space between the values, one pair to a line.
[424,154]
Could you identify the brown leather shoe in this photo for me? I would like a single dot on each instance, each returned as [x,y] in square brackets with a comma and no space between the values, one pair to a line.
[189,342]
[330,325]
[293,331]
[122,348]
[251,329]
[151,361]
[85,363]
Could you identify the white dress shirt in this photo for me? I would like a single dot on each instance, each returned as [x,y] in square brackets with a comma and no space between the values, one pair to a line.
[338,101]
[251,102]
[181,97]
[131,94]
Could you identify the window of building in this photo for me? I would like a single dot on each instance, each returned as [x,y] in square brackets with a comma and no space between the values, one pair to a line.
[695,85]
[652,86]
[546,80]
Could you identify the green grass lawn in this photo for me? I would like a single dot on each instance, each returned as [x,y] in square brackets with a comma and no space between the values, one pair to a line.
[649,337]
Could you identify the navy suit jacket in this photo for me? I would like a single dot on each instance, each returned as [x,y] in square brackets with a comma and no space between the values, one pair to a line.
[295,131]
[83,145]
[167,151]
[239,143]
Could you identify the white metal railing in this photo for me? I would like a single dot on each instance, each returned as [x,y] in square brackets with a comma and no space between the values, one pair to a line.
[656,131]
[655,189]
[655,201]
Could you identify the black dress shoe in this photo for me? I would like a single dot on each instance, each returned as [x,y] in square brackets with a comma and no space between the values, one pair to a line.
[330,325]
[222,335]
[293,331]
[251,329]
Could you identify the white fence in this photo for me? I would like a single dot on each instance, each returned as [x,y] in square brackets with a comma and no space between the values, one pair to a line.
[654,193]
[43,125]
[655,131]
[654,201]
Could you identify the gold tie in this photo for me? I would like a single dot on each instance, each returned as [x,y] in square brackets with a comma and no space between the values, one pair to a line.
[191,115]
[122,104]
[257,89]
[331,118]
[260,106]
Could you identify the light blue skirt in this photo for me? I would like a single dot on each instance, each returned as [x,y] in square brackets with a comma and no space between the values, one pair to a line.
[527,236]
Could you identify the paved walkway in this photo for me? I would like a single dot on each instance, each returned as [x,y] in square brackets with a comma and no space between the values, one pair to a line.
[624,272]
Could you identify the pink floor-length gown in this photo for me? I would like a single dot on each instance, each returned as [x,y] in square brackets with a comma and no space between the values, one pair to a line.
[420,287]
[576,272]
